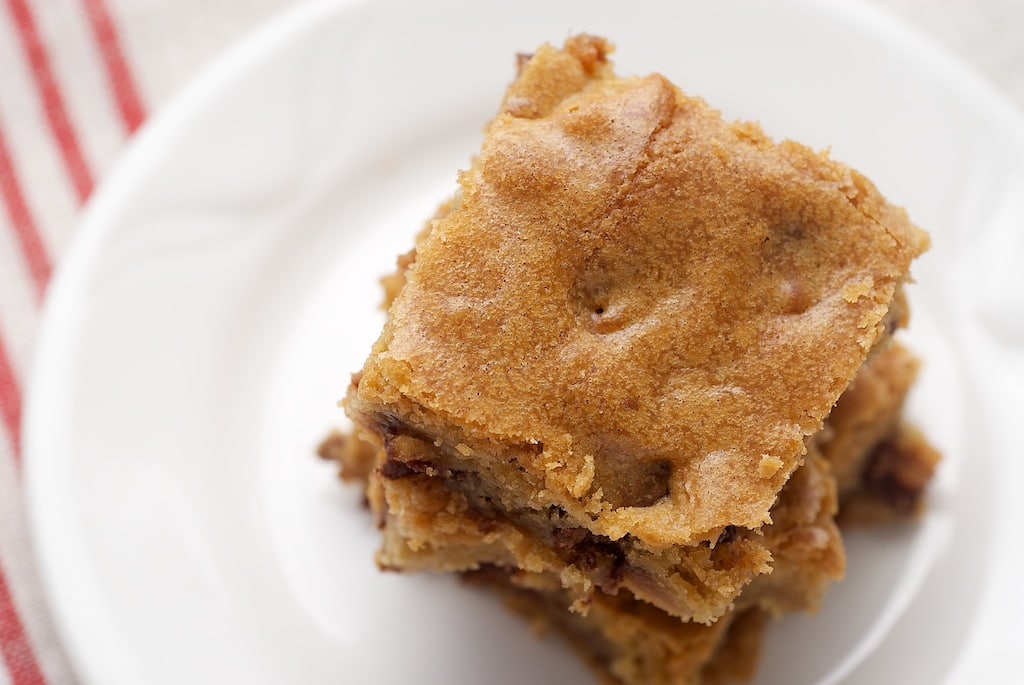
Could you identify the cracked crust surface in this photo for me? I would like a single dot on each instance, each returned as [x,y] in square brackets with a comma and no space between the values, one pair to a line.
[625,284]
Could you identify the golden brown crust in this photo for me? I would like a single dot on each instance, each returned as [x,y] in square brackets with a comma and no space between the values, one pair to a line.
[626,274]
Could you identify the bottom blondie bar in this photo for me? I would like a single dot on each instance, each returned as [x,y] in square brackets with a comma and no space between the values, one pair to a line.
[866,466]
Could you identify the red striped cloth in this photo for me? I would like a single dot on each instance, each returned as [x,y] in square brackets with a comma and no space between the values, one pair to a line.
[77,78]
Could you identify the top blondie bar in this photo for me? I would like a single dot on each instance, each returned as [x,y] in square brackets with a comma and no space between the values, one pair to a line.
[629,322]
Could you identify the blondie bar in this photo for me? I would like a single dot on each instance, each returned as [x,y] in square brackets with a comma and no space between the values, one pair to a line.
[621,336]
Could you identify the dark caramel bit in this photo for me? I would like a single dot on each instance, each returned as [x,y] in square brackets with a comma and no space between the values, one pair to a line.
[729,533]
[389,427]
[602,558]
[385,425]
[579,547]
[486,520]
[899,470]
[393,469]
[629,474]
[567,538]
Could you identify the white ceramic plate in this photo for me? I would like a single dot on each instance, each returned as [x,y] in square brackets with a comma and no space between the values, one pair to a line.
[224,285]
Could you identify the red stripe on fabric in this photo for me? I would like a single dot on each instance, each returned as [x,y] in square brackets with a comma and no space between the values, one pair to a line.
[126,94]
[53,103]
[10,401]
[15,648]
[17,653]
[21,220]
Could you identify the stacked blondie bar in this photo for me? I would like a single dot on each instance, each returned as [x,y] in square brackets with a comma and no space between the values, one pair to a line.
[634,369]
